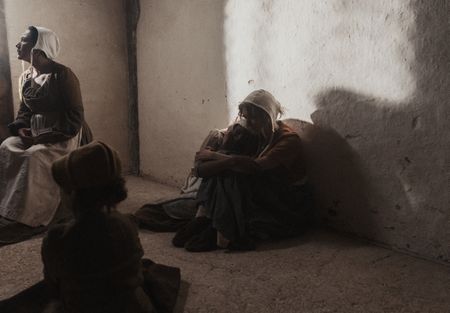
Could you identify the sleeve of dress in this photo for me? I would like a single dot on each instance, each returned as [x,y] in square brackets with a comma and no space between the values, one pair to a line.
[23,115]
[22,120]
[284,153]
[73,115]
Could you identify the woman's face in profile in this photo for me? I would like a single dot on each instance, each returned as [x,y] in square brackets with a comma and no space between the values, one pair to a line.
[24,46]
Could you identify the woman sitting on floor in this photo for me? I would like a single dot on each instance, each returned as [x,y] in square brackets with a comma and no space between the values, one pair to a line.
[173,213]
[245,198]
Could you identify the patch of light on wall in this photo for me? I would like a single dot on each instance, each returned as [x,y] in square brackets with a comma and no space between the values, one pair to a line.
[297,49]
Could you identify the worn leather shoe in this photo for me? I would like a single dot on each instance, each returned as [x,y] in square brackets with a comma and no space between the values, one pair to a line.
[205,241]
[194,227]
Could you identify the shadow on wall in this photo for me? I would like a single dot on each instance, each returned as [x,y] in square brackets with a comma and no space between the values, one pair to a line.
[383,169]
[334,169]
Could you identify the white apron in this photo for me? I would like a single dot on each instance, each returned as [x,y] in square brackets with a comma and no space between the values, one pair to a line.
[28,193]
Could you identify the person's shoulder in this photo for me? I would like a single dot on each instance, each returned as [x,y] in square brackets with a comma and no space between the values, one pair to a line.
[284,128]
[64,72]
[285,132]
[60,68]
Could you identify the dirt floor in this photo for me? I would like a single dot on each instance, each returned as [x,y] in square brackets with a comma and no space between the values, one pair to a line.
[321,272]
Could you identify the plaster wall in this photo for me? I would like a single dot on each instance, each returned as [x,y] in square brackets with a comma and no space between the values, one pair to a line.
[181,82]
[93,44]
[373,78]
[295,49]
[6,107]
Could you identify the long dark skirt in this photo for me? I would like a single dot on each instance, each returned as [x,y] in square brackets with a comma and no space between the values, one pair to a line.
[257,207]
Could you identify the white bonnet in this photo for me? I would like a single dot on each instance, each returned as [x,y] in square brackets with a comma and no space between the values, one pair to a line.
[47,42]
[266,101]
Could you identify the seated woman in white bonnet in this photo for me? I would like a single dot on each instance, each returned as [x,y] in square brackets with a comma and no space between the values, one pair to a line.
[47,127]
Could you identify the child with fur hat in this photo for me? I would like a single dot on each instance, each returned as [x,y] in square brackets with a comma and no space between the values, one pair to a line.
[94,264]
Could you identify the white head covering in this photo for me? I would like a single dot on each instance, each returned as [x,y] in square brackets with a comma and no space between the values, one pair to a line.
[47,42]
[266,101]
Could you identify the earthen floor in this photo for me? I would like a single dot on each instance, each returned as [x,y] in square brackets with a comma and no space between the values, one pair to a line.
[321,272]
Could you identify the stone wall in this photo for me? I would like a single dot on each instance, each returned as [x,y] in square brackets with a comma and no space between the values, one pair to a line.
[373,78]
[6,104]
[182,86]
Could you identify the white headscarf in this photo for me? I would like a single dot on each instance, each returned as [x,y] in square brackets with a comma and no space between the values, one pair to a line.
[266,101]
[47,42]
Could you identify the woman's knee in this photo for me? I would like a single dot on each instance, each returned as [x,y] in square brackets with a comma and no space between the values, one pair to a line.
[36,150]
[11,141]
[12,145]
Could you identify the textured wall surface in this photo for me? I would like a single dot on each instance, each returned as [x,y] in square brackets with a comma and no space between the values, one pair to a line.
[371,75]
[93,45]
[297,48]
[181,77]
[6,106]
[373,78]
